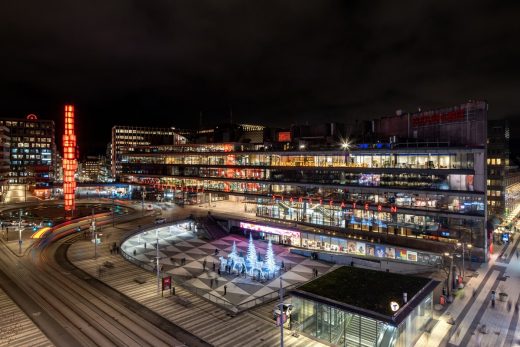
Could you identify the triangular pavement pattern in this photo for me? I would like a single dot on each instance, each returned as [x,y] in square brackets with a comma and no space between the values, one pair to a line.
[301,268]
[263,291]
[182,255]
[294,277]
[196,251]
[276,283]
[198,284]
[231,288]
[179,271]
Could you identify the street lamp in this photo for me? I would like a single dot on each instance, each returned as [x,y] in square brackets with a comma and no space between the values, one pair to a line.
[93,232]
[20,231]
[157,264]
[143,195]
[469,253]
[448,255]
[462,244]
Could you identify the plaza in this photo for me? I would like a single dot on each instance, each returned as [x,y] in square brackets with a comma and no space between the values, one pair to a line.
[193,263]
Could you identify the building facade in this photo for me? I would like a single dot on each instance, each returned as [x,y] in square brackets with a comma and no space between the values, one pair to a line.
[424,187]
[94,169]
[131,136]
[32,150]
[5,154]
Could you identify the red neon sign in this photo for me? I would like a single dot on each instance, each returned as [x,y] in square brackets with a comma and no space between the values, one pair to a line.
[70,164]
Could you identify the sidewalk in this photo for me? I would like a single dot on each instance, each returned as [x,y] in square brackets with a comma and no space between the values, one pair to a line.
[476,323]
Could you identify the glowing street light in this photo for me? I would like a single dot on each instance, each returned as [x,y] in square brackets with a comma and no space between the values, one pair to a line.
[345,145]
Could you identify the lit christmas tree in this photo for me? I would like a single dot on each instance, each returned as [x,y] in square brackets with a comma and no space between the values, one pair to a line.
[251,252]
[269,258]
[234,252]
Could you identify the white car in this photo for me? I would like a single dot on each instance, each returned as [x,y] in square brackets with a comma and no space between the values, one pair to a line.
[287,308]
[160,220]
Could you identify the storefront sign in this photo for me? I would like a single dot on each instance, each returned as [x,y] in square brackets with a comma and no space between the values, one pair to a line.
[394,306]
[269,230]
[429,119]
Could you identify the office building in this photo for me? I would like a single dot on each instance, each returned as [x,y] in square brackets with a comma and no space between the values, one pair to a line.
[131,136]
[32,150]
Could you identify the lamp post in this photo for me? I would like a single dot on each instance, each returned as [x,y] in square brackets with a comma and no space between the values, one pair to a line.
[157,264]
[113,209]
[463,245]
[281,313]
[143,195]
[20,231]
[449,272]
[469,253]
[93,232]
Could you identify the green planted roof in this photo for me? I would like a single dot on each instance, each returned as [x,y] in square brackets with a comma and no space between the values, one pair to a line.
[366,289]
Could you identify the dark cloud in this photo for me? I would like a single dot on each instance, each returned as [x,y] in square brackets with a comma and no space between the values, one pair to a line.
[275,62]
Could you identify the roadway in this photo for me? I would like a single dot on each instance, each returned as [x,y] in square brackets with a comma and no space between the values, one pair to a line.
[67,308]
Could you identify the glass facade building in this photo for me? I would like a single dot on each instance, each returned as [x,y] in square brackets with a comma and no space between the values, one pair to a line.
[430,192]
[400,323]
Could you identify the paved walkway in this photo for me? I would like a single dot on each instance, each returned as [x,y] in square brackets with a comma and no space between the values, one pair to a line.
[177,243]
[476,323]
[16,328]
[200,317]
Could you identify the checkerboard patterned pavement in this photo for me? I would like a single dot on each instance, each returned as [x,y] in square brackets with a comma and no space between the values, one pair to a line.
[177,243]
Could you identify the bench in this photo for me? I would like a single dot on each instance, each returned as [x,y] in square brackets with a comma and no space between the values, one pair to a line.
[183,301]
[108,265]
[140,280]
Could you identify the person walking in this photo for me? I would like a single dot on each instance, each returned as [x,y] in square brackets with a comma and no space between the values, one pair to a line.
[225,289]
[213,266]
[204,265]
[493,299]
[211,283]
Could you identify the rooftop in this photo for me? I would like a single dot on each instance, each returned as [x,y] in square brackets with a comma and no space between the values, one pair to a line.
[368,291]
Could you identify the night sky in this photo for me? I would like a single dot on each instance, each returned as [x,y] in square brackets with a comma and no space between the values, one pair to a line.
[271,62]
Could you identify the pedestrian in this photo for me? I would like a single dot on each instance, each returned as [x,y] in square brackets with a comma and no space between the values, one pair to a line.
[493,299]
[213,266]
[204,265]
[225,289]
[283,264]
[135,252]
[509,305]
[211,283]
[145,245]
[218,271]
[517,254]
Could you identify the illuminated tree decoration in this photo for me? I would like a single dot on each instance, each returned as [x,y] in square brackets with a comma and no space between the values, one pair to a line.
[269,258]
[251,252]
[70,163]
[234,252]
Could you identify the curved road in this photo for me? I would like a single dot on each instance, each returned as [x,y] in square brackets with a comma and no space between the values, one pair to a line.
[73,312]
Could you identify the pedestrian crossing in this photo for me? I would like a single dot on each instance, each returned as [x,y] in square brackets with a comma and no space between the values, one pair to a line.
[16,328]
[204,319]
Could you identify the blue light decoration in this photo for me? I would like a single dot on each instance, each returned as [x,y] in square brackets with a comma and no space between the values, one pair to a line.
[269,258]
[251,252]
